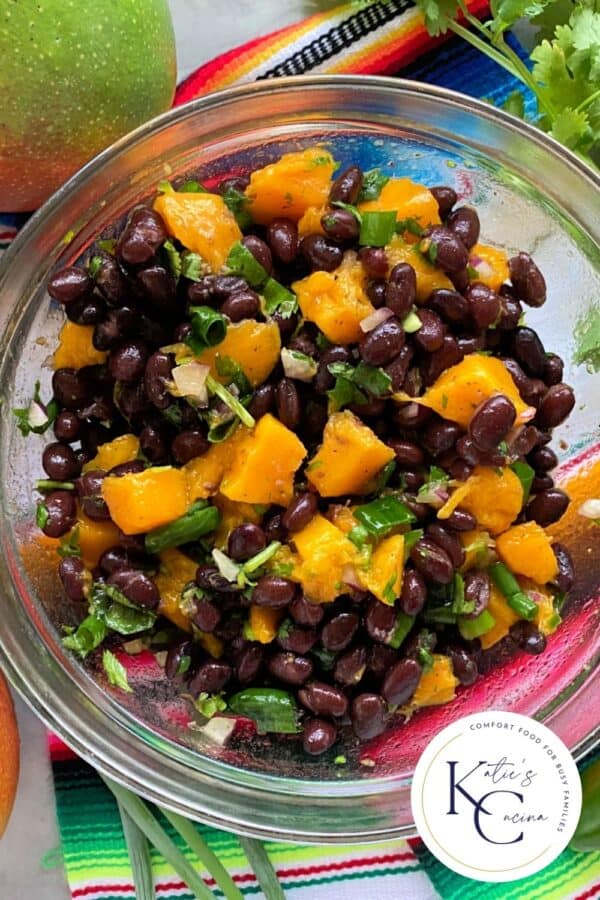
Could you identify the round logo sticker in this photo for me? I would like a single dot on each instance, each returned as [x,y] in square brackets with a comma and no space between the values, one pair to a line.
[496,796]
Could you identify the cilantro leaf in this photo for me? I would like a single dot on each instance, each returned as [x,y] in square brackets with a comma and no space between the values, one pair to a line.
[88,635]
[37,417]
[371,379]
[173,257]
[229,368]
[438,14]
[192,265]
[209,705]
[115,672]
[373,183]
[237,203]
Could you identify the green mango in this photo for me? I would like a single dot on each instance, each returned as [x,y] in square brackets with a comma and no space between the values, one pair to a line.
[75,76]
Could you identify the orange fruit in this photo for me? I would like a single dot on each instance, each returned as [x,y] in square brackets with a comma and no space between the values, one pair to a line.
[9,754]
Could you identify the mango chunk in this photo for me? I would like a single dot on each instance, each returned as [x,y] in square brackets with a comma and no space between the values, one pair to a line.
[437,685]
[385,574]
[255,346]
[412,200]
[489,264]
[336,301]
[122,449]
[476,545]
[264,465]
[94,538]
[547,618]
[204,474]
[503,615]
[75,348]
[495,498]
[202,222]
[291,185]
[350,455]
[324,552]
[527,550]
[310,223]
[144,500]
[264,623]
[462,388]
[428,277]
[176,570]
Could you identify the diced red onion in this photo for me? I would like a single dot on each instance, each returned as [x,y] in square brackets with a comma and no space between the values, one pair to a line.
[375,318]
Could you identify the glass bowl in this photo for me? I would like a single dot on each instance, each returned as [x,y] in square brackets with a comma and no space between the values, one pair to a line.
[533,195]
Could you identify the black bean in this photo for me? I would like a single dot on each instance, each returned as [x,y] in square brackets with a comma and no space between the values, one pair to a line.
[566,570]
[477,591]
[553,369]
[188,445]
[300,511]
[176,656]
[89,491]
[460,470]
[460,280]
[142,236]
[413,481]
[448,355]
[380,621]
[291,668]
[376,290]
[464,666]
[368,714]
[209,578]
[119,557]
[260,251]
[244,304]
[466,448]
[69,285]
[111,281]
[318,735]
[87,311]
[445,197]
[445,249]
[347,185]
[72,574]
[461,520]
[374,261]
[137,587]
[287,400]
[524,441]
[450,305]
[246,540]
[491,422]
[207,616]
[324,380]
[323,699]
[401,292]
[159,287]
[555,406]
[282,235]
[62,512]
[249,662]
[340,225]
[304,612]
[448,542]
[548,506]
[157,375]
[528,281]
[510,313]
[262,401]
[128,361]
[541,483]
[210,678]
[234,183]
[401,682]
[274,591]
[379,659]
[529,388]
[528,638]
[67,426]
[430,335]
[464,223]
[70,388]
[223,286]
[339,631]
[484,304]
[432,562]
[407,452]
[413,594]
[131,467]
[314,420]
[303,342]
[154,444]
[397,369]
[543,459]
[529,351]
[471,343]
[383,343]
[295,639]
[321,253]
[439,436]
[60,462]
[117,324]
[409,416]
[200,293]
[273,528]
[350,666]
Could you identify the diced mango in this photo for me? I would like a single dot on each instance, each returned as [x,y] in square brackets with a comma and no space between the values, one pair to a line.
[342,517]
[232,515]
[385,573]
[176,570]
[144,500]
[445,511]
[94,538]
[489,264]
[527,550]
[264,465]
[547,618]
[503,615]
[336,301]
[122,449]
[211,643]
[255,346]
[350,455]
[75,348]
[202,222]
[291,185]
[411,200]
[264,623]
[476,544]
[437,685]
[324,553]
[428,277]
[462,388]
[495,498]
[204,474]
[310,223]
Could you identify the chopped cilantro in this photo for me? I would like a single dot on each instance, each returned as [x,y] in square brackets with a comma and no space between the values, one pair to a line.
[209,705]
[115,672]
[373,183]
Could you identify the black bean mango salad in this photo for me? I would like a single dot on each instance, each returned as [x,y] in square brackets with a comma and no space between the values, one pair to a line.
[302,445]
